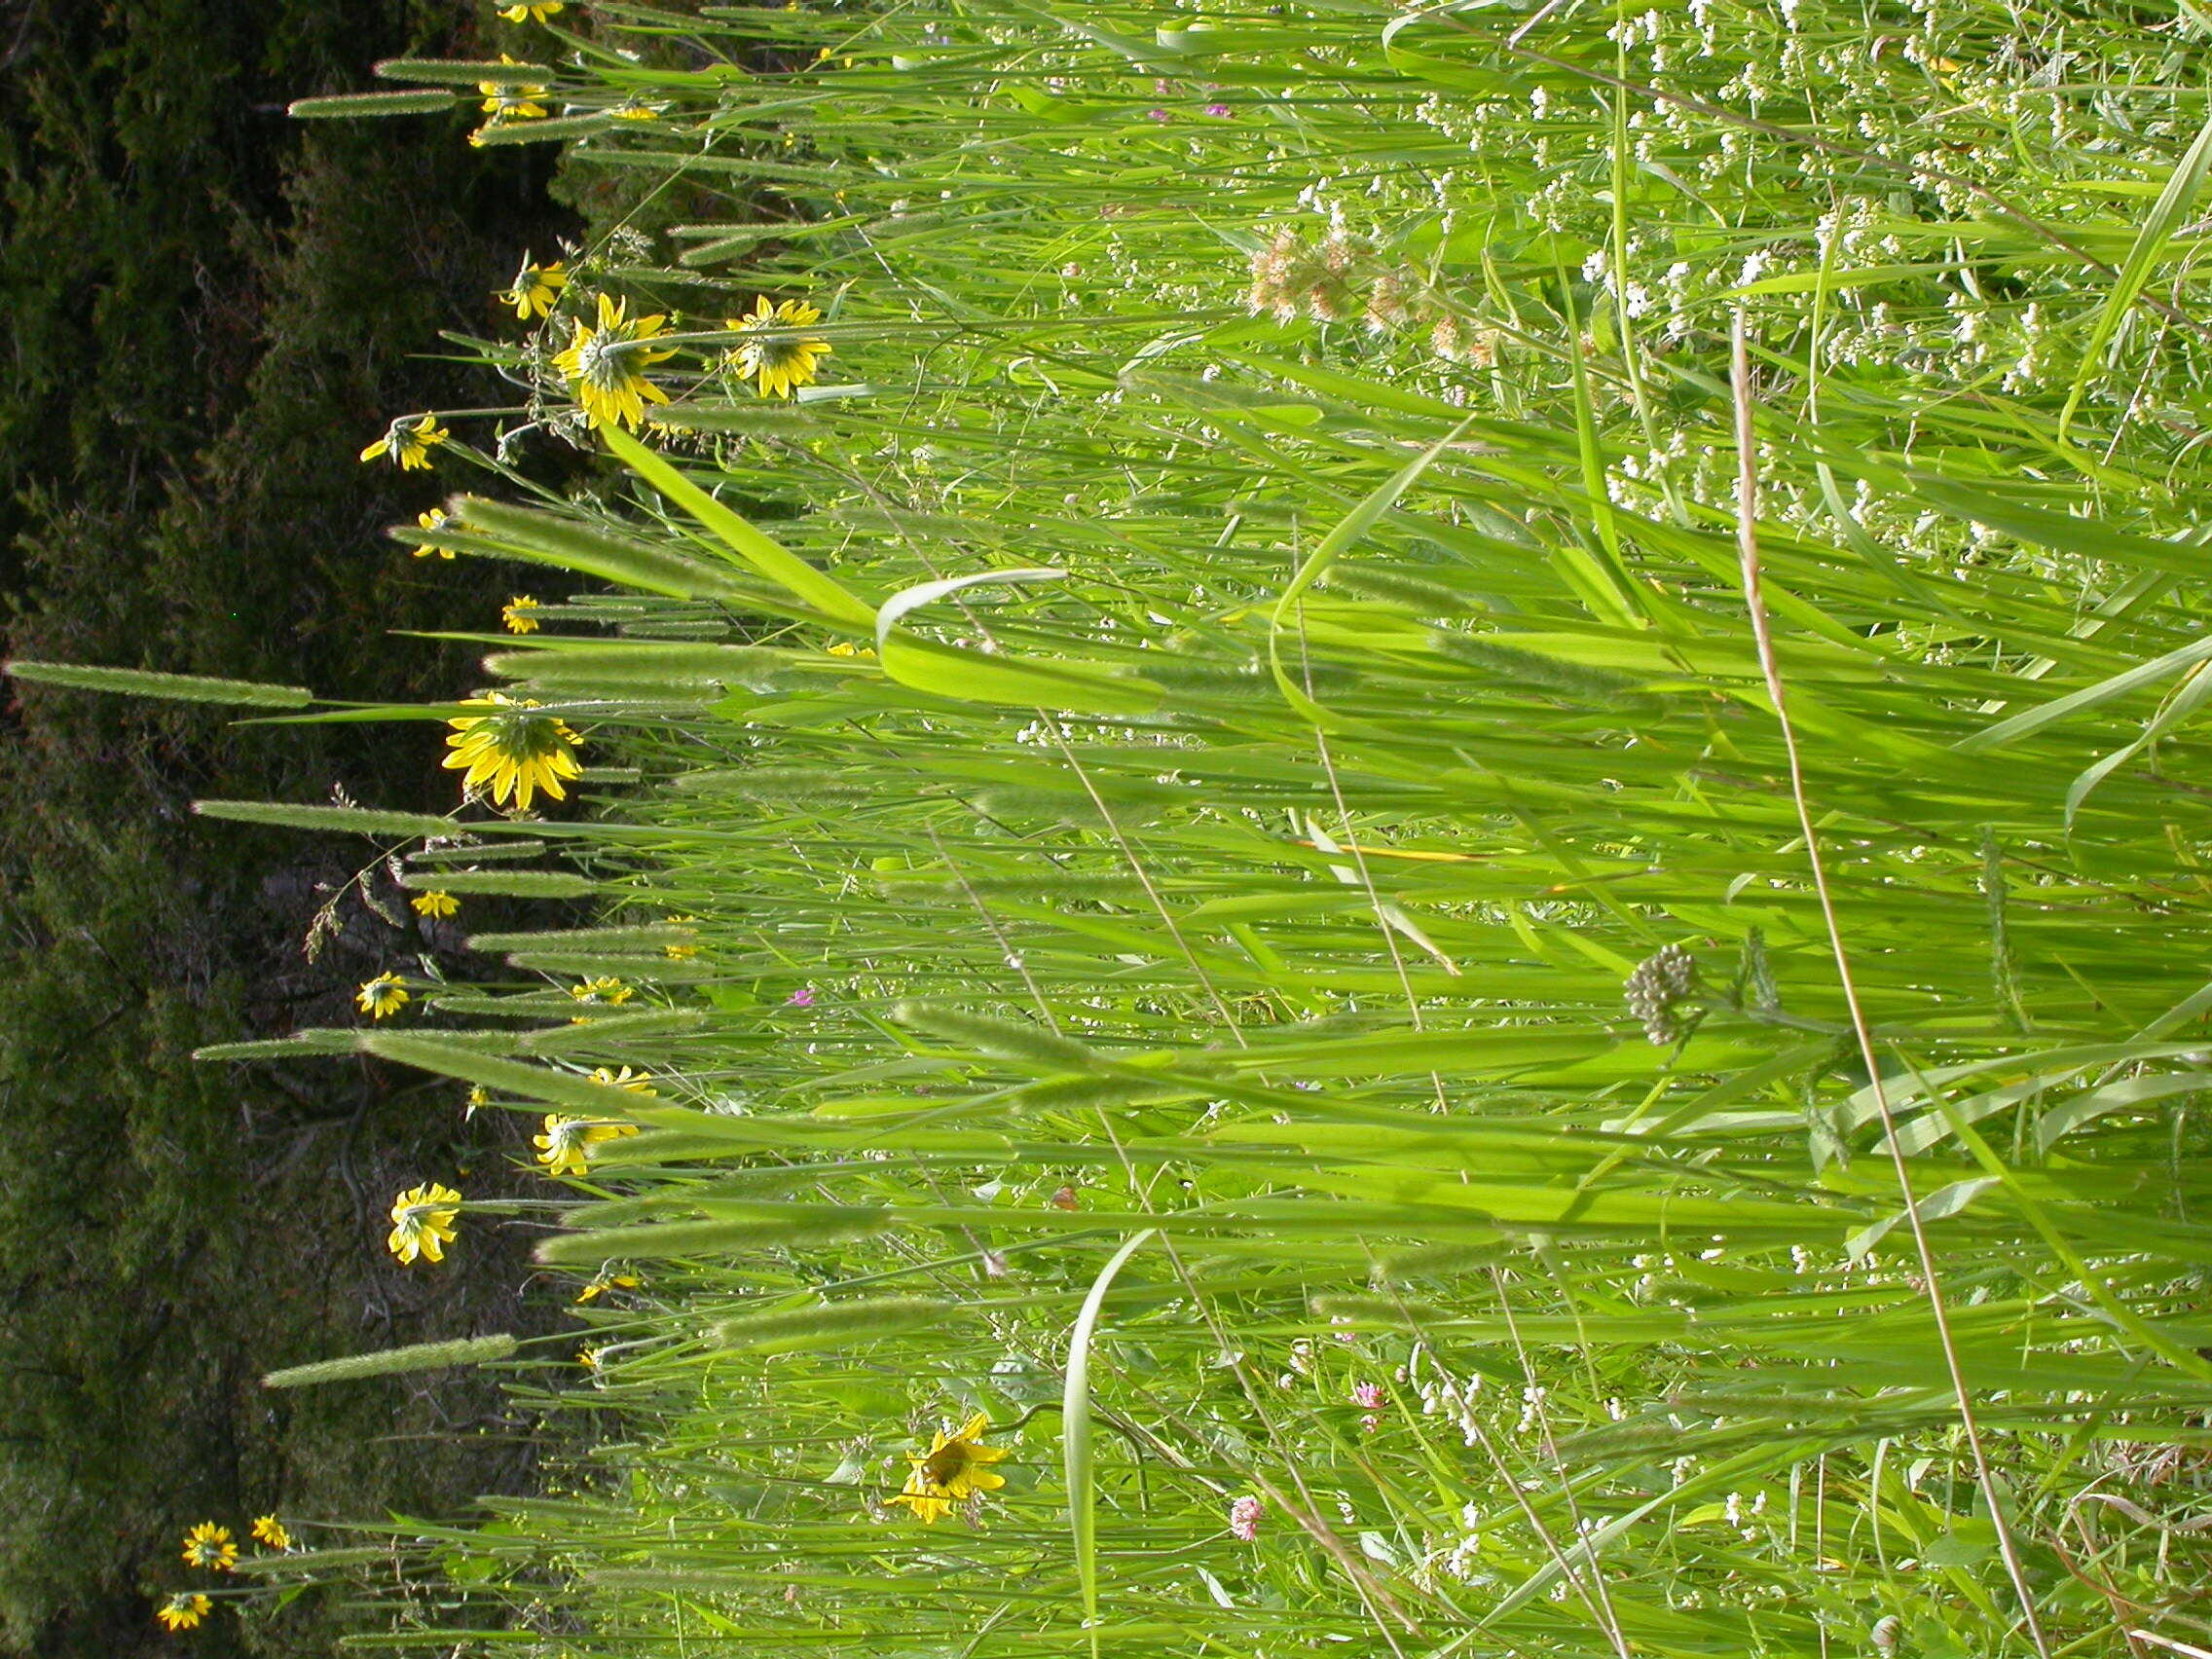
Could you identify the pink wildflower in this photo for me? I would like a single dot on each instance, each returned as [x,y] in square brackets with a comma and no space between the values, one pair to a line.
[1244,1518]
[1217,110]
[1368,1396]
[803,997]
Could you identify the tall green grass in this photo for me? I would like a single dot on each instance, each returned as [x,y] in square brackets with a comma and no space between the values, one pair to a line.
[1245,905]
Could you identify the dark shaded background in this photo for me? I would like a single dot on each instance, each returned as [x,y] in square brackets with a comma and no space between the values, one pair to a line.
[209,309]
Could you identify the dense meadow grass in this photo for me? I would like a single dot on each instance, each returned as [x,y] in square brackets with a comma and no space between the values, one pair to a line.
[1431,818]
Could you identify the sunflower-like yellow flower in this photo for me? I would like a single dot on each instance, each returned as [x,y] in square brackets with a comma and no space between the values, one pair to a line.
[515,750]
[209,1546]
[436,519]
[536,288]
[604,989]
[422,1222]
[951,1471]
[517,614]
[268,1530]
[606,1281]
[184,1611]
[383,996]
[511,100]
[634,109]
[537,10]
[409,446]
[606,366]
[436,903]
[564,1147]
[768,353]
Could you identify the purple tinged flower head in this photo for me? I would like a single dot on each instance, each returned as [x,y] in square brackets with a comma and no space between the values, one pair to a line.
[1156,115]
[1368,1396]
[1218,110]
[803,997]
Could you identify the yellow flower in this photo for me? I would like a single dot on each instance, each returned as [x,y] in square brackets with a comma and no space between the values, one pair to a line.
[536,288]
[588,1358]
[511,100]
[210,1545]
[409,446]
[566,1145]
[517,615]
[434,903]
[604,364]
[436,519]
[951,1471]
[768,355]
[605,1282]
[630,109]
[184,1611]
[478,1095]
[846,648]
[605,989]
[422,1222]
[269,1530]
[384,995]
[517,751]
[537,10]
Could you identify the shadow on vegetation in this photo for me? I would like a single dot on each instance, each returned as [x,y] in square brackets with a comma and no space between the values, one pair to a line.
[211,310]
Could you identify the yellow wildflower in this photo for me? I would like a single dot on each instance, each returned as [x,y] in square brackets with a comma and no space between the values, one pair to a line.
[434,903]
[517,614]
[605,1282]
[536,288]
[422,1222]
[564,1147]
[604,364]
[269,1530]
[537,10]
[768,355]
[951,1471]
[209,1546]
[514,750]
[381,996]
[511,100]
[409,446]
[604,989]
[184,1611]
[436,519]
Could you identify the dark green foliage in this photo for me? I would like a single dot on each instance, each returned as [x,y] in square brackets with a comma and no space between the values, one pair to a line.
[211,309]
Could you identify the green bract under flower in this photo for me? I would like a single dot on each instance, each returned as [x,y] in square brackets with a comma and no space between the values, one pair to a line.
[422,1222]
[606,366]
[511,751]
[769,354]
